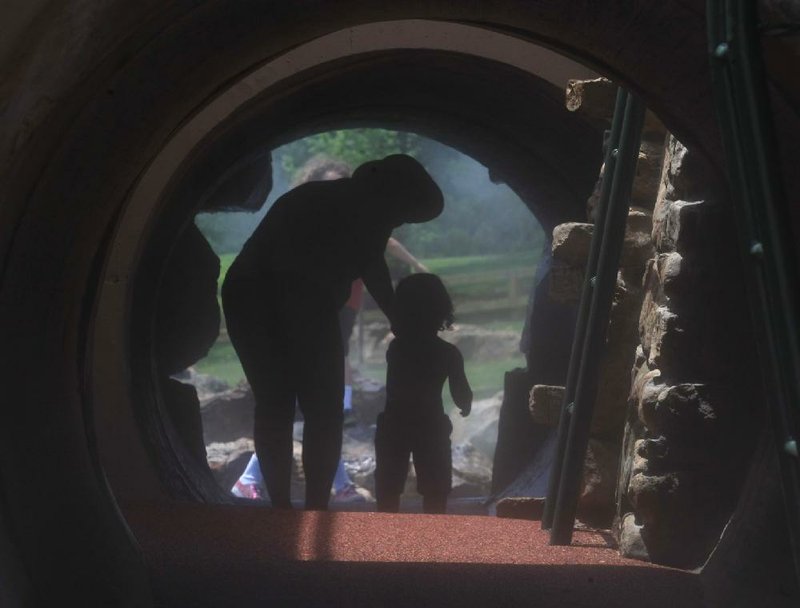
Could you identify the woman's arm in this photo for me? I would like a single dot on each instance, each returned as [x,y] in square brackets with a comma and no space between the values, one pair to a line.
[395,249]
[379,284]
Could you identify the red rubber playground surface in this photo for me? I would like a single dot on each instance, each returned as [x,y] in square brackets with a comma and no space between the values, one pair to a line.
[229,556]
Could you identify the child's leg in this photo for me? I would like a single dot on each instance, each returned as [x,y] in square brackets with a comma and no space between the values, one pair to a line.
[391,466]
[433,464]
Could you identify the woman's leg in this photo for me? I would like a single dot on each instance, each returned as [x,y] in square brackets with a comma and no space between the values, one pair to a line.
[318,357]
[258,333]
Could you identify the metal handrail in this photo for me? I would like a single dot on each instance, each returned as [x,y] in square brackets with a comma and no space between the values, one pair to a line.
[763,222]
[600,214]
[602,295]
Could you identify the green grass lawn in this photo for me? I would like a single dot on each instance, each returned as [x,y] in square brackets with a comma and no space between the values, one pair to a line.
[222,363]
[451,266]
[486,377]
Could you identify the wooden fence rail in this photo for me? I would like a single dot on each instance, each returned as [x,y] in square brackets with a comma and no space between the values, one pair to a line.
[495,291]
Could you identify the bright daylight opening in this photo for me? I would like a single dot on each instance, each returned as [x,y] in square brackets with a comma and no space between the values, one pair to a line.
[485,246]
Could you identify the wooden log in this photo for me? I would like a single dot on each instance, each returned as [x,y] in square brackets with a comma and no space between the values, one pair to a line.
[594,99]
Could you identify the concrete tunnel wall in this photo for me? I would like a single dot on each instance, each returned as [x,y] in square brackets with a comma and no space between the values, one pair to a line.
[99,90]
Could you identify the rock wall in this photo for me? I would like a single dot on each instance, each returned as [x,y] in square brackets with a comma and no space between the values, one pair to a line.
[570,251]
[186,326]
[678,392]
[692,417]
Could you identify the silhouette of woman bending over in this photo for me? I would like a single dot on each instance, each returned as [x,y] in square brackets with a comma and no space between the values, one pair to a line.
[282,297]
[413,421]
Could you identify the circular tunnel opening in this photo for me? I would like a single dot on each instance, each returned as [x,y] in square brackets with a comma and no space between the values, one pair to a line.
[153,162]
[548,156]
[486,246]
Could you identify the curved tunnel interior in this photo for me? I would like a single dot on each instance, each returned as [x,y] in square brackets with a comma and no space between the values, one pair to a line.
[487,244]
[548,156]
[197,139]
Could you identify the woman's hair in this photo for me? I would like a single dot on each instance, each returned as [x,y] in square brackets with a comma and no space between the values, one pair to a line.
[422,305]
[318,168]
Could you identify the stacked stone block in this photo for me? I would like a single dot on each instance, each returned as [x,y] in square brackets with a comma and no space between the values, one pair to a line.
[690,418]
[571,244]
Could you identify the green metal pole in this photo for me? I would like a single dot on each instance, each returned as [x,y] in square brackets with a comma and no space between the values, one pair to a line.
[583,309]
[597,324]
[763,222]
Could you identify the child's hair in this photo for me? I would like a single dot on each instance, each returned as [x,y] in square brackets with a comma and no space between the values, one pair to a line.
[422,305]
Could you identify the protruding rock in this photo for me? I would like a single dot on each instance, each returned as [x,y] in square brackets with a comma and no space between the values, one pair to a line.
[228,460]
[518,437]
[183,408]
[677,224]
[187,316]
[630,539]
[229,415]
[684,412]
[595,100]
[546,403]
[520,508]
[596,501]
[651,495]
[571,243]
[637,248]
[566,282]
[647,178]
[687,174]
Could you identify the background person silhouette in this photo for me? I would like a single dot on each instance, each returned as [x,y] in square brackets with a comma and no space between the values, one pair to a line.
[414,422]
[282,297]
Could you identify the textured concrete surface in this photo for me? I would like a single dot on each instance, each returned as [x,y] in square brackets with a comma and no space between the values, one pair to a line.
[253,556]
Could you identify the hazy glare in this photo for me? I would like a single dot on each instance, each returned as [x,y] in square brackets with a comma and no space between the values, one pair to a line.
[480,217]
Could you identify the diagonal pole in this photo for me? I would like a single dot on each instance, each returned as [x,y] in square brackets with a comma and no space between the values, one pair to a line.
[597,322]
[762,218]
[583,309]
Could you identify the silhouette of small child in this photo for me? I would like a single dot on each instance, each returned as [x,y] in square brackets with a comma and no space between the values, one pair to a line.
[413,421]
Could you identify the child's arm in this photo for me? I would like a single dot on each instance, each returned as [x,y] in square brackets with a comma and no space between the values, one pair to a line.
[459,385]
